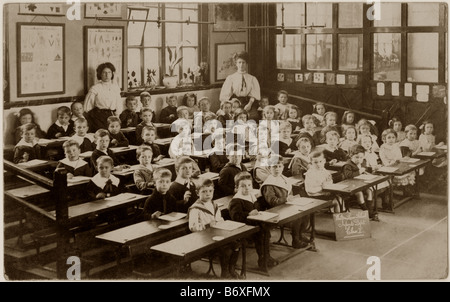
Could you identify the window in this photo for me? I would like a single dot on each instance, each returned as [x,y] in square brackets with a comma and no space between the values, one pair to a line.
[350,15]
[147,44]
[294,14]
[386,56]
[423,57]
[423,14]
[289,55]
[351,52]
[390,15]
[319,14]
[318,52]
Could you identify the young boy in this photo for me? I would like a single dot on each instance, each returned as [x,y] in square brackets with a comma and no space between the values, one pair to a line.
[225,115]
[282,105]
[77,111]
[332,153]
[300,162]
[129,117]
[199,117]
[104,184]
[143,176]
[263,103]
[146,115]
[146,100]
[276,190]
[148,138]
[169,114]
[234,153]
[353,168]
[317,177]
[74,165]
[286,145]
[80,136]
[205,212]
[161,201]
[183,189]
[27,148]
[63,125]
[245,204]
[118,139]
[102,141]
[182,143]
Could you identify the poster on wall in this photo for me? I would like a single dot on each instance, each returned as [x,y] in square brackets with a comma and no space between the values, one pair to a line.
[103,44]
[225,59]
[104,10]
[40,57]
[228,17]
[46,9]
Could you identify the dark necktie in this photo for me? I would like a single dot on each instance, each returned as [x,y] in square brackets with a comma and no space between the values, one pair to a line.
[244,84]
[164,204]
[108,189]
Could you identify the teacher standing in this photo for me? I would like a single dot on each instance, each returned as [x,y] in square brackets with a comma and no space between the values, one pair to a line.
[242,86]
[103,99]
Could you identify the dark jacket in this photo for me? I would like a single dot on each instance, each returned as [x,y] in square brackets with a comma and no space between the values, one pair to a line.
[92,189]
[84,170]
[122,141]
[33,153]
[129,118]
[240,208]
[226,179]
[159,202]
[54,129]
[164,116]
[177,190]
[97,153]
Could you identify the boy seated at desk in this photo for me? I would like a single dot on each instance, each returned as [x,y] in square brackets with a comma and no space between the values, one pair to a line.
[102,142]
[129,117]
[63,126]
[182,143]
[143,176]
[146,116]
[230,170]
[118,139]
[161,201]
[205,213]
[244,204]
[286,143]
[27,148]
[146,101]
[183,188]
[301,161]
[332,153]
[148,139]
[276,190]
[217,156]
[317,177]
[168,114]
[80,136]
[354,167]
[74,165]
[104,184]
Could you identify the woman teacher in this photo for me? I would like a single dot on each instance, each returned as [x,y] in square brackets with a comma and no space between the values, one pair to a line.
[103,99]
[242,86]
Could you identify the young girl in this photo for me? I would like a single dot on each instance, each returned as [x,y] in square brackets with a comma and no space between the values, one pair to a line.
[27,148]
[104,184]
[143,176]
[349,138]
[282,105]
[205,213]
[318,114]
[371,162]
[74,165]
[348,119]
[226,114]
[308,125]
[411,140]
[329,122]
[235,106]
[148,138]
[286,143]
[199,117]
[25,116]
[294,114]
[364,128]
[390,154]
[396,124]
[190,101]
[301,161]
[268,125]
[427,139]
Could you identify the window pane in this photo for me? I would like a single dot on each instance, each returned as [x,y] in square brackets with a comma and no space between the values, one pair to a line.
[350,52]
[386,57]
[190,58]
[318,52]
[136,29]
[294,14]
[350,15]
[390,15]
[173,30]
[134,67]
[190,32]
[152,35]
[290,55]
[151,61]
[423,14]
[319,14]
[423,57]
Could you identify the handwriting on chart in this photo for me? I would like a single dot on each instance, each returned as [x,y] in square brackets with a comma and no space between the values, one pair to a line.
[352,225]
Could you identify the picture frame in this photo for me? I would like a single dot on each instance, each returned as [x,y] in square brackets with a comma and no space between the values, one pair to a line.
[43,9]
[40,59]
[224,59]
[103,44]
[299,77]
[103,10]
[228,17]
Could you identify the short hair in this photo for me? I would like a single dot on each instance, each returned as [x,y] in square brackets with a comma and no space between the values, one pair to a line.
[101,133]
[241,176]
[64,110]
[224,103]
[130,98]
[205,183]
[141,149]
[241,55]
[276,159]
[112,119]
[172,96]
[73,104]
[306,118]
[315,154]
[280,92]
[28,127]
[105,159]
[285,125]
[356,149]
[386,132]
[394,120]
[410,127]
[144,94]
[81,120]
[360,137]
[148,128]
[70,143]
[181,109]
[179,124]
[330,113]
[147,110]
[162,173]
[183,160]
[205,98]
[103,66]
[189,95]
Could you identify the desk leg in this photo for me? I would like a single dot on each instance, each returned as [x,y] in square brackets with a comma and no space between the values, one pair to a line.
[417,193]
[312,220]
[266,247]
[244,259]
[375,201]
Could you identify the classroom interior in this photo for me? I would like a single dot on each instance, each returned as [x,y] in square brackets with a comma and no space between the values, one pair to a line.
[343,54]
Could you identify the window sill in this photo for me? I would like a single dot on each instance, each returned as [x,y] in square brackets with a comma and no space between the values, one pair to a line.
[137,91]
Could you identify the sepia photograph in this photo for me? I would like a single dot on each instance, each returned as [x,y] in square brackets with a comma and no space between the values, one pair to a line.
[219,142]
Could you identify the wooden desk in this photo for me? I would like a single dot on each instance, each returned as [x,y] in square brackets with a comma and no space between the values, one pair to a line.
[402,168]
[433,154]
[288,213]
[193,246]
[39,165]
[353,186]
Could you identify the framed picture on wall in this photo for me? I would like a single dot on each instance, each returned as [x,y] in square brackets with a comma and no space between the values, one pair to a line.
[104,10]
[228,17]
[40,59]
[224,59]
[103,44]
[44,9]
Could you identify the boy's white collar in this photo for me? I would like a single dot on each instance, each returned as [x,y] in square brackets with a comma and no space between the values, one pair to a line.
[100,181]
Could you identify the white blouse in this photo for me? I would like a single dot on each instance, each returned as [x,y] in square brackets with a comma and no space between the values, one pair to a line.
[104,96]
[234,85]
